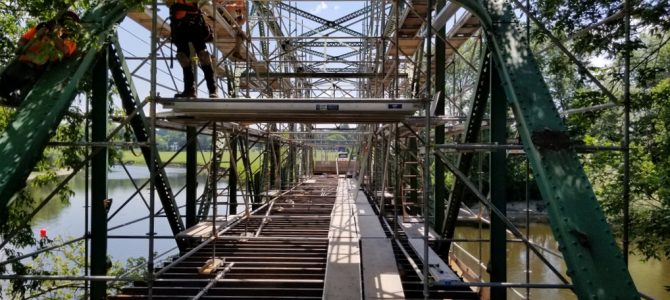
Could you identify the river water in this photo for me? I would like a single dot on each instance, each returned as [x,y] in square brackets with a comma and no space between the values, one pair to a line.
[67,220]
[650,276]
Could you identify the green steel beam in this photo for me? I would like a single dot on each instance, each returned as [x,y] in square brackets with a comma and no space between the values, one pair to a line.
[498,187]
[140,125]
[472,128]
[232,176]
[25,138]
[594,262]
[205,199]
[246,163]
[99,167]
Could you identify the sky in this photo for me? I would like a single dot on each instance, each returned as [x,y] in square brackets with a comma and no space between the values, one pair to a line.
[135,43]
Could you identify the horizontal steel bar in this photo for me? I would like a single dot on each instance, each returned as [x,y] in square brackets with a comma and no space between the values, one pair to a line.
[479,147]
[99,144]
[588,109]
[282,238]
[320,75]
[512,285]
[9,261]
[293,100]
[369,38]
[67,277]
[139,237]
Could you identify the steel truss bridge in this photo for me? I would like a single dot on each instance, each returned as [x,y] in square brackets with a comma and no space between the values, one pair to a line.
[295,83]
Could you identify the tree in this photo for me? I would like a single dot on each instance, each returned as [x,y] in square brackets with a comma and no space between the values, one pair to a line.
[67,260]
[569,21]
[650,149]
[15,18]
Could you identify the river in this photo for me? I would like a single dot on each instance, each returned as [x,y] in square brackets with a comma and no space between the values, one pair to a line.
[67,220]
[650,276]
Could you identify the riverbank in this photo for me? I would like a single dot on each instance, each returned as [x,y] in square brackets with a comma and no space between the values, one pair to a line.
[136,157]
[179,159]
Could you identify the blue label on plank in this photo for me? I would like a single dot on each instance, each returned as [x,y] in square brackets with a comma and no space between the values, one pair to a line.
[395,106]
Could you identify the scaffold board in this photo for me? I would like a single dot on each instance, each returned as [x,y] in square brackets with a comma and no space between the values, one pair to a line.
[321,110]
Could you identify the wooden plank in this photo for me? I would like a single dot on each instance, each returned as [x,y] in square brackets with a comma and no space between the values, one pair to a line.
[380,272]
[343,273]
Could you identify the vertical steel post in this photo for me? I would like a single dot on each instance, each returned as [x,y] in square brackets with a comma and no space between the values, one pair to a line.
[626,134]
[152,143]
[440,82]
[291,167]
[398,182]
[498,187]
[232,176]
[99,166]
[191,177]
[527,195]
[87,201]
[214,185]
[428,153]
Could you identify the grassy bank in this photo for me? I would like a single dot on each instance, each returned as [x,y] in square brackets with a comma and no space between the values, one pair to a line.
[136,157]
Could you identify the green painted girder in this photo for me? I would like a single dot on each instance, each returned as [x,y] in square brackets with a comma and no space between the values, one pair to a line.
[140,125]
[246,163]
[36,119]
[472,128]
[594,261]
[215,174]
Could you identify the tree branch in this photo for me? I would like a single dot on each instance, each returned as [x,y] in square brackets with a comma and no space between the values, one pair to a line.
[55,288]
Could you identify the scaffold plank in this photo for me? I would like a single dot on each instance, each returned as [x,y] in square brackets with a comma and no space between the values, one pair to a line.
[352,110]
[343,279]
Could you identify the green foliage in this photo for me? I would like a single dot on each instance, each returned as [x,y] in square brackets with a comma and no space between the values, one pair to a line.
[566,18]
[68,260]
[650,98]
[15,18]
[650,165]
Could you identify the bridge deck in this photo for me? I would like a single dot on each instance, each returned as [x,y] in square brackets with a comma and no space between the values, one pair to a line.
[321,240]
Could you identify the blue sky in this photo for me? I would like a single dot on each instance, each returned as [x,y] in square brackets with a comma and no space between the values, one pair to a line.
[135,42]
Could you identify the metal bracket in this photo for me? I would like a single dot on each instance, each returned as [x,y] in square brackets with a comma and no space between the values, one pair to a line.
[549,139]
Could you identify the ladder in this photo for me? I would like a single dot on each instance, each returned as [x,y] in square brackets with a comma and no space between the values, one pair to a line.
[411,190]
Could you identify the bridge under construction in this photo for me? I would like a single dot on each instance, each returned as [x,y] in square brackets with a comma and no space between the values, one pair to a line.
[374,216]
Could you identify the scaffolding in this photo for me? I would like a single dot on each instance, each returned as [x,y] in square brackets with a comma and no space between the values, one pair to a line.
[285,71]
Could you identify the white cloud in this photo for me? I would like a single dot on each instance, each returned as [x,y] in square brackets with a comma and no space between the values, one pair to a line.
[319,8]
